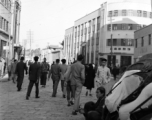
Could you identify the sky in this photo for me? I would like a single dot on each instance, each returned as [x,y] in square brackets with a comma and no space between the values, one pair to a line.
[48,19]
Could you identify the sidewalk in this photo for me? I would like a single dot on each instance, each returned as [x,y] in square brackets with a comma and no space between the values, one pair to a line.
[13,105]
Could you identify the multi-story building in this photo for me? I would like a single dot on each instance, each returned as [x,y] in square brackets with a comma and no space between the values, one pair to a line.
[9,27]
[143,42]
[5,25]
[69,44]
[93,36]
[15,29]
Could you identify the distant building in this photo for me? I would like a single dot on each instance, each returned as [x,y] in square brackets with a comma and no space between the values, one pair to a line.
[91,34]
[143,42]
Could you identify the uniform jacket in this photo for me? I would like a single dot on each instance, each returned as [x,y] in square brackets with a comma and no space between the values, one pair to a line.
[34,71]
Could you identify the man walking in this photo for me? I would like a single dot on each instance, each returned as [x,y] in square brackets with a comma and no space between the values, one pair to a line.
[44,72]
[63,68]
[20,68]
[55,75]
[34,75]
[78,74]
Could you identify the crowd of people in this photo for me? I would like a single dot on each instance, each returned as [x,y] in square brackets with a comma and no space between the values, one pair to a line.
[72,78]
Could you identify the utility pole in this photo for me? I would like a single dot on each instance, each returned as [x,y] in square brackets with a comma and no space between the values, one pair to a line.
[111,41]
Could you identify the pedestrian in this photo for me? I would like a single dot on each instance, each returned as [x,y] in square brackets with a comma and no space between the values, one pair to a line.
[4,67]
[34,76]
[20,68]
[70,85]
[44,72]
[103,74]
[55,75]
[9,70]
[63,68]
[115,72]
[89,82]
[78,74]
[13,69]
[93,111]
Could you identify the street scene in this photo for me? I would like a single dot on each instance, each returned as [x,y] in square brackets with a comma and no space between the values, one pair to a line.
[75,60]
[14,106]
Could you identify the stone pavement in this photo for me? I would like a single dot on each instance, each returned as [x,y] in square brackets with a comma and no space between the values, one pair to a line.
[13,105]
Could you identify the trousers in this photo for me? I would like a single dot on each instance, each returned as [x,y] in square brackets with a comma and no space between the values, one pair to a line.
[55,87]
[79,86]
[20,82]
[30,86]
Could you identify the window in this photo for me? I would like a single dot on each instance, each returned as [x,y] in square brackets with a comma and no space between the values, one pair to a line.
[124,48]
[150,14]
[145,14]
[138,27]
[136,43]
[7,26]
[110,14]
[119,48]
[114,42]
[124,12]
[115,27]
[149,39]
[124,27]
[142,41]
[139,13]
[130,12]
[128,48]
[123,42]
[129,42]
[130,27]
[116,13]
[108,27]
[115,48]
[108,42]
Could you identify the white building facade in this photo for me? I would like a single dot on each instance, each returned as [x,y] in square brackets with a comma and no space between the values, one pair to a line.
[5,25]
[92,33]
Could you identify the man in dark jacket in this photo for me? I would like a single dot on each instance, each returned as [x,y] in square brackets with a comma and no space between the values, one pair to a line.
[20,68]
[34,75]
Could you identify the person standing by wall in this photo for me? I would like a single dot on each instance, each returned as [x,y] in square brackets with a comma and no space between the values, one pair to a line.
[55,75]
[34,76]
[44,72]
[20,68]
[78,74]
[63,68]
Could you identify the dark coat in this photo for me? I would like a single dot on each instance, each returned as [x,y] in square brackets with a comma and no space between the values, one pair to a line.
[90,75]
[34,72]
[99,105]
[20,68]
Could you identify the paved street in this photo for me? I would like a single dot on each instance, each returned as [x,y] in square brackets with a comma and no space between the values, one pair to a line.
[13,105]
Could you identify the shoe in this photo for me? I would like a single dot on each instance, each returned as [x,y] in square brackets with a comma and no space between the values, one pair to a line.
[74,113]
[71,102]
[37,97]
[53,95]
[87,93]
[64,96]
[27,98]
